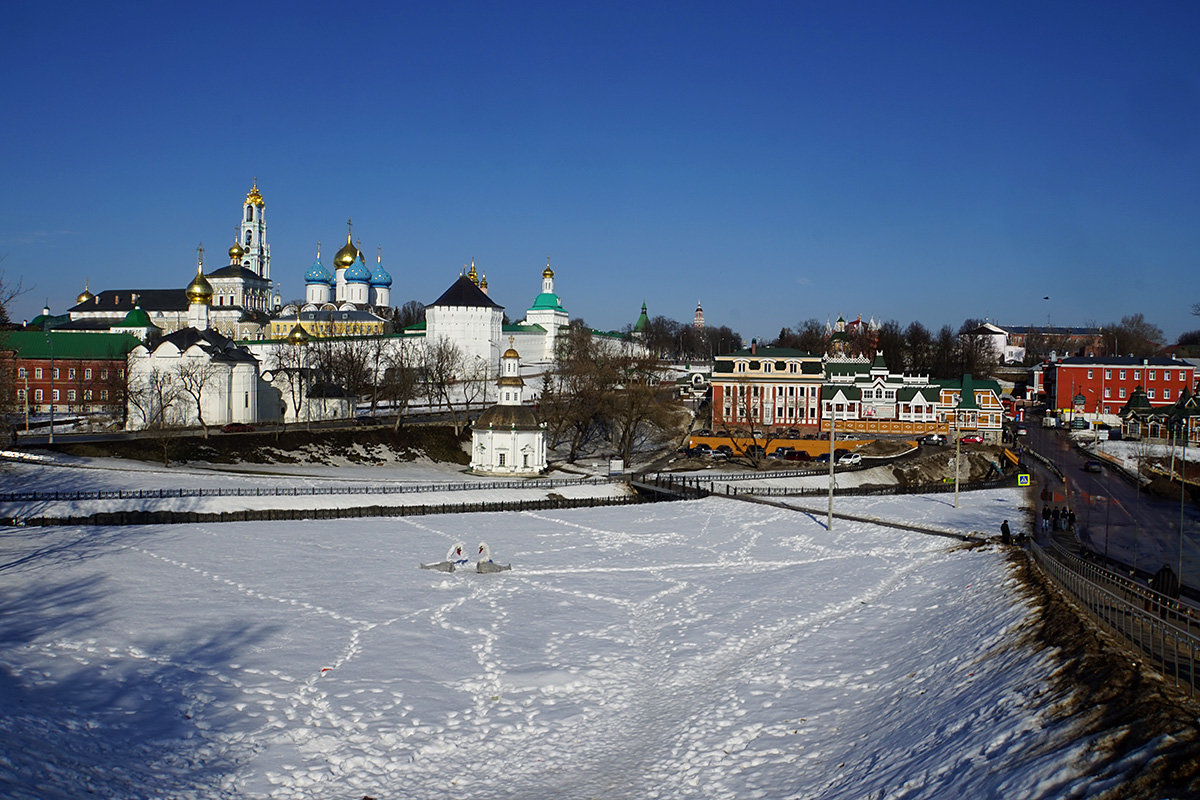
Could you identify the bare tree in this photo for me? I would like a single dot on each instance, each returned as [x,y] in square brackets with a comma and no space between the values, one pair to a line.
[194,376]
[153,393]
[287,362]
[637,408]
[573,392]
[401,380]
[443,376]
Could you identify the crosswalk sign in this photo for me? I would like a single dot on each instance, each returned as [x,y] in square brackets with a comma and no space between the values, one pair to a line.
[1023,479]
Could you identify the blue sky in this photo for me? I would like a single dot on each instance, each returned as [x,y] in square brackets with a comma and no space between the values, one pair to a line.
[775,161]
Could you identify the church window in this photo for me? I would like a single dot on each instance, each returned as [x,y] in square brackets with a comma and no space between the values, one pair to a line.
[525,459]
[249,237]
[500,459]
[249,214]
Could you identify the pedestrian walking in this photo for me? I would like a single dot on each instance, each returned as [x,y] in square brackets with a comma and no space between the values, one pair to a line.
[1005,533]
[1045,518]
[1070,519]
[1056,518]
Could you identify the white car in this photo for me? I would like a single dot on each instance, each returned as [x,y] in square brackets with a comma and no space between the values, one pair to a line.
[850,460]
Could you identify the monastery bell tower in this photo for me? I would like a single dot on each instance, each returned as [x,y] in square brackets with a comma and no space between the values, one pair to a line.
[253,235]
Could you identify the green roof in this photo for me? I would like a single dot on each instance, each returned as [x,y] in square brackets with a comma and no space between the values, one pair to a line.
[137,318]
[77,346]
[643,322]
[546,301]
[770,352]
[514,327]
[830,390]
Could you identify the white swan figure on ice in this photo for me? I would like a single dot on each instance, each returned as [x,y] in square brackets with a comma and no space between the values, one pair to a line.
[485,563]
[454,559]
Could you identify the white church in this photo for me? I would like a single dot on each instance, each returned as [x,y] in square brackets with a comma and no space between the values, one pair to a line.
[507,439]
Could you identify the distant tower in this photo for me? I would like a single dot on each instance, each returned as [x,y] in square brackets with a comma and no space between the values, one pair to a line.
[256,254]
[698,320]
[199,295]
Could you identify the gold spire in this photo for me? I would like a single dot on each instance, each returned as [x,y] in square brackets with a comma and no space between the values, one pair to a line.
[85,296]
[547,272]
[253,197]
[474,276]
[237,251]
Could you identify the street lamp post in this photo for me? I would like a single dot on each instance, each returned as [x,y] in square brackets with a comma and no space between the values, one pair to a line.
[1182,488]
[957,451]
[832,428]
[50,344]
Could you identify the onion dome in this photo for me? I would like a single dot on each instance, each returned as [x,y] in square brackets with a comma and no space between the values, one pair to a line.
[85,296]
[253,197]
[510,352]
[358,273]
[473,275]
[346,256]
[297,335]
[200,290]
[317,272]
[547,272]
[379,275]
[236,252]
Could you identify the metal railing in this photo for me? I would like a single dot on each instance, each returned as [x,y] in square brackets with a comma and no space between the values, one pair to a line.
[1164,630]
[300,491]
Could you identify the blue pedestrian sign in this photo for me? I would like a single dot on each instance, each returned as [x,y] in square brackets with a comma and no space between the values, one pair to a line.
[1023,479]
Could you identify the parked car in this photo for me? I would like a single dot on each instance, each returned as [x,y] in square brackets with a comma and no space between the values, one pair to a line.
[780,453]
[850,460]
[237,427]
[701,450]
[822,458]
[799,455]
[972,438]
[724,449]
[933,438]
[1022,432]
[1093,466]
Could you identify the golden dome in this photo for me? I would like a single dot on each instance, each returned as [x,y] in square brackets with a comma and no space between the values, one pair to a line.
[510,353]
[236,252]
[298,335]
[253,197]
[85,296]
[200,290]
[483,281]
[473,275]
[547,272]
[346,256]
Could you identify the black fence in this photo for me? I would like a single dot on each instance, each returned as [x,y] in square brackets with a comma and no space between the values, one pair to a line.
[162,517]
[298,491]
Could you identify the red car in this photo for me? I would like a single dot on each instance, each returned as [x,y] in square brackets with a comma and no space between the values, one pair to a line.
[972,438]
[237,427]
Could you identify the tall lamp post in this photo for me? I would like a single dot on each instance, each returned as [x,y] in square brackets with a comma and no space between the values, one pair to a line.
[832,436]
[50,344]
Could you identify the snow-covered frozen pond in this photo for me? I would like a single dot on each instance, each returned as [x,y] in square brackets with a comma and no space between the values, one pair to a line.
[713,649]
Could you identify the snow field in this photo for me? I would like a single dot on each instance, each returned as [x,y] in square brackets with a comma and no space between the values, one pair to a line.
[711,649]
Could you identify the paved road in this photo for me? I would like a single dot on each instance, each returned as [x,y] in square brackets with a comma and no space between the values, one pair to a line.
[1116,519]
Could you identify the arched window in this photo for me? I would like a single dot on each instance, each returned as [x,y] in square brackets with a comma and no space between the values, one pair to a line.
[249,213]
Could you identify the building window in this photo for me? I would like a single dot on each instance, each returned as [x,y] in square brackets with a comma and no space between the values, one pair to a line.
[1150,393]
[1121,393]
[87,374]
[1107,374]
[500,459]
[71,395]
[1089,374]
[37,395]
[1107,392]
[37,373]
[1166,394]
[792,367]
[1122,373]
[1137,374]
[87,394]
[20,394]
[55,398]
[103,374]
[55,375]
[1150,375]
[21,373]
[104,394]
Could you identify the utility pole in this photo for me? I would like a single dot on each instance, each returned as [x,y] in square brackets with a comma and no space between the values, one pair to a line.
[832,426]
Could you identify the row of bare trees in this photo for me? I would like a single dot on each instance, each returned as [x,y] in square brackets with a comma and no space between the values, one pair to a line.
[600,393]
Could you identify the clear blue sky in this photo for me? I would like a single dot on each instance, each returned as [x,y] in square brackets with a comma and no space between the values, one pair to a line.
[775,161]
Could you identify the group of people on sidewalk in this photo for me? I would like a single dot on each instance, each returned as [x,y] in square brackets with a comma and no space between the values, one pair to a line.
[1057,519]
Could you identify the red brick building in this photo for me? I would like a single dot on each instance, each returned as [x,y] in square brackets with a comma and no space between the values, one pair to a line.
[1103,385]
[76,372]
